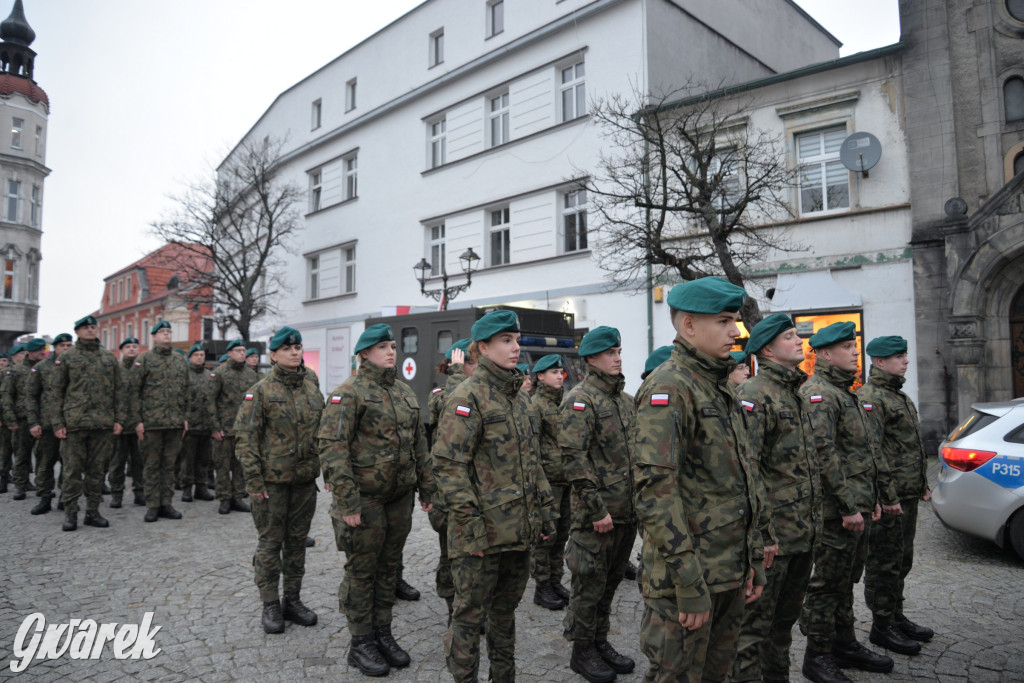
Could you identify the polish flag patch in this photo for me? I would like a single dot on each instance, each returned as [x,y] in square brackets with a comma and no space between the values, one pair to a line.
[56,362]
[248,397]
[32,370]
[437,390]
[138,364]
[335,399]
[462,410]
[816,399]
[579,406]
[869,407]
[659,399]
[747,404]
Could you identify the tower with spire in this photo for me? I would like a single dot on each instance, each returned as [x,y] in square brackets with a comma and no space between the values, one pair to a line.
[24,112]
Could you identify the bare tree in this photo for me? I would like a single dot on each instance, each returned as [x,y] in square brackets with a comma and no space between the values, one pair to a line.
[684,186]
[241,221]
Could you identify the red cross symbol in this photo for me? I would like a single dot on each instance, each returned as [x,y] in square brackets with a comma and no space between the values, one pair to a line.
[408,368]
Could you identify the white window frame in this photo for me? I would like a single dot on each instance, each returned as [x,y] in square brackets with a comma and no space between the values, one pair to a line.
[106,339]
[348,264]
[436,248]
[495,17]
[822,162]
[35,206]
[437,133]
[316,114]
[120,291]
[498,119]
[573,206]
[350,94]
[436,48]
[499,226]
[128,330]
[350,164]
[128,290]
[13,204]
[32,280]
[313,277]
[574,90]
[316,179]
[144,333]
[17,130]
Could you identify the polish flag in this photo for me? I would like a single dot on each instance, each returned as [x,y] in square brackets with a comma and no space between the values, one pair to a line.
[462,410]
[748,405]
[579,406]
[248,397]
[335,399]
[816,399]
[659,399]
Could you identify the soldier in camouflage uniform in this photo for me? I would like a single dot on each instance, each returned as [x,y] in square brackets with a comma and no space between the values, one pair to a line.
[595,438]
[783,441]
[252,359]
[851,472]
[227,387]
[48,445]
[197,449]
[487,466]
[15,412]
[891,541]
[87,407]
[697,493]
[126,451]
[373,450]
[160,392]
[276,429]
[6,445]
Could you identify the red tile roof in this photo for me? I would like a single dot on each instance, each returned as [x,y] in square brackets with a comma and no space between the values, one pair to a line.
[10,84]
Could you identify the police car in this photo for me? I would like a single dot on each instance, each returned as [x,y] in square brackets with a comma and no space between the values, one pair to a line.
[981,481]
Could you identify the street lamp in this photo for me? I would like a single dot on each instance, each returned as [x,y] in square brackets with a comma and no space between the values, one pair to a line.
[469,260]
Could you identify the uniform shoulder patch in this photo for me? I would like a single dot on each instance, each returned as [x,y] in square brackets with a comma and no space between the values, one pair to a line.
[213,374]
[32,370]
[138,364]
[659,399]
[56,362]
[816,398]
[867,406]
[248,397]
[462,410]
[747,405]
[335,399]
[579,406]
[437,390]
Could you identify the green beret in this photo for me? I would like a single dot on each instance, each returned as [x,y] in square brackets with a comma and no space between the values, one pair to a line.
[4,354]
[87,320]
[62,337]
[251,352]
[461,345]
[833,334]
[235,343]
[181,351]
[883,347]
[523,368]
[160,325]
[767,330]
[552,360]
[128,340]
[36,344]
[494,323]
[599,339]
[738,356]
[373,335]
[657,357]
[706,295]
[17,348]
[223,359]
[195,347]
[285,335]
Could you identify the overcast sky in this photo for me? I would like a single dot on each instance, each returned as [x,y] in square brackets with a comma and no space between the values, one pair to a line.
[147,95]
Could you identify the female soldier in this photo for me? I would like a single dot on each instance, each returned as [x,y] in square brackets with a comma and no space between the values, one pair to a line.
[498,499]
[373,451]
[275,433]
[740,373]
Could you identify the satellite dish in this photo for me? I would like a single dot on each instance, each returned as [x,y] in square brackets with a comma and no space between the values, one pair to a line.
[860,152]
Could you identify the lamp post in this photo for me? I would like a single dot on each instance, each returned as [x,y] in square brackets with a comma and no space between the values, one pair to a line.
[469,260]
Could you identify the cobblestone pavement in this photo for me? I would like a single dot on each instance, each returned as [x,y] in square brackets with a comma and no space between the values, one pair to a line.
[196,576]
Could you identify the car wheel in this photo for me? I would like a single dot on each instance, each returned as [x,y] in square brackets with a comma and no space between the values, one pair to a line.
[1016,533]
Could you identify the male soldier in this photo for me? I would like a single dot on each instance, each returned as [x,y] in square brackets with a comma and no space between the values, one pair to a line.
[595,440]
[696,493]
[160,390]
[228,385]
[847,451]
[126,445]
[15,406]
[197,450]
[891,539]
[41,421]
[783,440]
[252,359]
[6,447]
[86,402]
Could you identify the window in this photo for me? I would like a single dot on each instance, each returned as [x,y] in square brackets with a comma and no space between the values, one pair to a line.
[315,189]
[106,339]
[495,17]
[351,177]
[436,249]
[129,329]
[1018,164]
[13,197]
[824,181]
[1016,9]
[727,191]
[128,291]
[35,207]
[33,281]
[499,228]
[438,143]
[8,279]
[144,333]
[120,291]
[348,261]
[110,295]
[498,115]
[315,115]
[39,141]
[350,95]
[113,335]
[574,220]
[17,125]
[314,277]
[410,340]
[207,328]
[445,339]
[1013,99]
[574,92]
[436,47]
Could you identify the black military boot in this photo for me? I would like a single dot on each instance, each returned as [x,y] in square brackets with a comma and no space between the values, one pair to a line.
[140,500]
[853,655]
[29,487]
[151,515]
[403,591]
[60,505]
[822,668]
[389,647]
[364,655]
[310,542]
[560,590]
[168,512]
[913,631]
[891,638]
[70,521]
[272,619]
[93,518]
[3,482]
[225,507]
[186,494]
[117,499]
[587,662]
[544,596]
[203,493]
[295,612]
[621,663]
[238,506]
[42,507]
[19,493]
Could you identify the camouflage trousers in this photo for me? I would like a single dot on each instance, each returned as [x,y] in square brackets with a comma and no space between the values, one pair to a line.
[23,443]
[890,558]
[676,654]
[125,453]
[597,562]
[47,457]
[547,559]
[487,590]
[196,455]
[827,613]
[6,450]
[85,454]
[443,576]
[767,631]
[282,524]
[230,482]
[373,551]
[160,449]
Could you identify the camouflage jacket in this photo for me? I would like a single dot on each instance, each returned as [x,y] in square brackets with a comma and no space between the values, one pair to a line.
[40,379]
[199,421]
[228,385]
[696,482]
[15,391]
[595,437]
[127,370]
[847,444]
[159,389]
[436,403]
[88,389]
[899,429]
[487,466]
[275,430]
[782,438]
[545,405]
[372,443]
